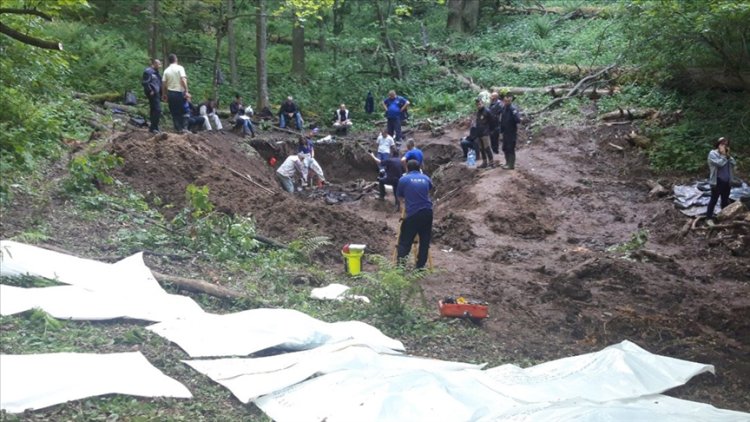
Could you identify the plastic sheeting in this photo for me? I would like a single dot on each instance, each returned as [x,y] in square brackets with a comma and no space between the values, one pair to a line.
[692,200]
[95,290]
[41,380]
[247,332]
[352,381]
[336,291]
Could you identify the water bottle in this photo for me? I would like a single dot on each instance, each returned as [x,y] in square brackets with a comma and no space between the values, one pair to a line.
[471,159]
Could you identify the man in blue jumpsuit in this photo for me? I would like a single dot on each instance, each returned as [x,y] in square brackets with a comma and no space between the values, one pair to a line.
[394,106]
[414,191]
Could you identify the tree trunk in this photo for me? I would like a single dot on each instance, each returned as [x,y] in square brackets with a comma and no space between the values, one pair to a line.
[221,28]
[339,9]
[261,27]
[153,28]
[298,48]
[393,63]
[463,15]
[232,44]
[322,35]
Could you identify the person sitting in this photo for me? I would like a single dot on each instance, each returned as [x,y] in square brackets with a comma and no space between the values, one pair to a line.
[208,111]
[470,142]
[289,110]
[192,119]
[242,116]
[390,173]
[341,120]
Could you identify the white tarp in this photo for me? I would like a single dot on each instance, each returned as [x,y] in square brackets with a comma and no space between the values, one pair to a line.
[94,291]
[247,332]
[41,380]
[352,381]
[336,291]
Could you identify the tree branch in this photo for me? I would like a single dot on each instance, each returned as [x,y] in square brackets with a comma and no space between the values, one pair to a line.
[26,39]
[26,12]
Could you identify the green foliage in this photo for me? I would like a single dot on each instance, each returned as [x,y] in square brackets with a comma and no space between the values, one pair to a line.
[541,26]
[674,34]
[44,320]
[197,197]
[306,246]
[392,288]
[90,171]
[637,240]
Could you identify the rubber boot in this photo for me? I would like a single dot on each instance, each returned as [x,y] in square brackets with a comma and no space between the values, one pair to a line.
[510,161]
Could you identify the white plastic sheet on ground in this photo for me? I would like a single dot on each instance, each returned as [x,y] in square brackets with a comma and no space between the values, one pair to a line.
[94,291]
[351,381]
[41,380]
[336,291]
[247,332]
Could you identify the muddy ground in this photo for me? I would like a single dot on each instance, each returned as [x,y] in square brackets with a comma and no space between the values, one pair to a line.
[532,243]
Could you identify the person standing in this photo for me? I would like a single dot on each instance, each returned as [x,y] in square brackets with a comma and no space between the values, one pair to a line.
[394,106]
[496,108]
[289,110]
[413,153]
[483,124]
[174,90]
[721,171]
[509,120]
[390,174]
[152,88]
[414,191]
[385,143]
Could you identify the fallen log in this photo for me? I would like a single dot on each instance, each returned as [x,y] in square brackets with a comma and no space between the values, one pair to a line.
[578,89]
[652,255]
[638,140]
[199,286]
[629,113]
[686,227]
[554,91]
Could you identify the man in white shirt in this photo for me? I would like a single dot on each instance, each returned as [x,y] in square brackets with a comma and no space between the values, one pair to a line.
[174,88]
[285,172]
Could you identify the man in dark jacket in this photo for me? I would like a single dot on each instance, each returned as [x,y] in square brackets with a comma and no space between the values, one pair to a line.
[152,88]
[390,173]
[289,111]
[483,124]
[496,108]
[509,120]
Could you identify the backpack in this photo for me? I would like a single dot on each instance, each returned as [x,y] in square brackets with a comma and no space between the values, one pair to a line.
[130,98]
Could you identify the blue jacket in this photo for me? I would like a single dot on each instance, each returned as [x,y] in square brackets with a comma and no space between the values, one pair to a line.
[415,187]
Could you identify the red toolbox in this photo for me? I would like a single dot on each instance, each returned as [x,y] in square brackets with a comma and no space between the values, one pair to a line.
[462,308]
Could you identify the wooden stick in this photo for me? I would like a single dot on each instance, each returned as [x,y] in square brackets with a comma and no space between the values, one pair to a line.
[283,129]
[199,286]
[250,180]
[617,147]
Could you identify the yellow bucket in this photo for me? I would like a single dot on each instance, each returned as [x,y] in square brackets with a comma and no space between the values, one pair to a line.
[353,260]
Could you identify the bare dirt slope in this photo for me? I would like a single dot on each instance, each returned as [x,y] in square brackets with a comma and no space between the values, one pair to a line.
[532,242]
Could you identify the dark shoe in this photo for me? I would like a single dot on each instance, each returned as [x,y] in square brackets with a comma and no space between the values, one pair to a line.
[483,165]
[155,131]
[506,167]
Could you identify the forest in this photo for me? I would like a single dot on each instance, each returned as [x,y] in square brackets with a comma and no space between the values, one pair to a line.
[585,244]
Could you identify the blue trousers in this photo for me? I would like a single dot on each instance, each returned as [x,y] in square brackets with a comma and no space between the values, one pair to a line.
[297,120]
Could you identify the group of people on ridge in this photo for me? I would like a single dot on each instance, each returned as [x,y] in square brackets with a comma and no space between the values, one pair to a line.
[500,118]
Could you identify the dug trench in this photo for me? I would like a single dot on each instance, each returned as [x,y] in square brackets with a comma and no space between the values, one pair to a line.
[534,243]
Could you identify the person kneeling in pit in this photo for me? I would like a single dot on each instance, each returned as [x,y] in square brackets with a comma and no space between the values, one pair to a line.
[287,170]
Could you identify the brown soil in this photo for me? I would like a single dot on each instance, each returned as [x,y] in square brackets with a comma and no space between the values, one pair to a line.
[532,242]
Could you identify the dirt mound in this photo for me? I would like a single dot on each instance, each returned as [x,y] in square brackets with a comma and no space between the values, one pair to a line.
[163,166]
[451,182]
[455,231]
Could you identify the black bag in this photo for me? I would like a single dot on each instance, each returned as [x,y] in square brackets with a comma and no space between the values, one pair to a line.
[130,98]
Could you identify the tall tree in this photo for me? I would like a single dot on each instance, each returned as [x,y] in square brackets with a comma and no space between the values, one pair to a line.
[232,46]
[153,28]
[261,40]
[463,15]
[298,47]
[383,11]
